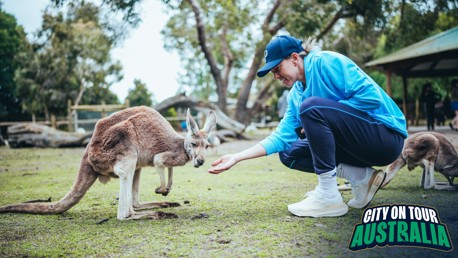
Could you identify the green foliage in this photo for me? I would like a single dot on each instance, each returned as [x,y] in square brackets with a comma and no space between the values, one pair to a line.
[419,20]
[246,208]
[140,95]
[409,30]
[415,21]
[127,8]
[12,42]
[95,95]
[71,55]
[311,18]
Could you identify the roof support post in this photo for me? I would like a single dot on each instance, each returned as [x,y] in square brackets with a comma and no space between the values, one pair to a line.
[404,99]
[388,83]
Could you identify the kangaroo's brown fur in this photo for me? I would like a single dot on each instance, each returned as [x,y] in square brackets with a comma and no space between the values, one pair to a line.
[430,150]
[121,145]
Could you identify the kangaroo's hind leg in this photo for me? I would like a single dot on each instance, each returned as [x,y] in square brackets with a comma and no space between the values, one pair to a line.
[125,169]
[148,205]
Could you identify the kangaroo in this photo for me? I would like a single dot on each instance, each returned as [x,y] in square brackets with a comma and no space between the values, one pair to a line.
[121,145]
[433,152]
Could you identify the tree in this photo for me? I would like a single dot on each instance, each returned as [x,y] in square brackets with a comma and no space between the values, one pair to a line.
[71,55]
[140,95]
[12,42]
[221,43]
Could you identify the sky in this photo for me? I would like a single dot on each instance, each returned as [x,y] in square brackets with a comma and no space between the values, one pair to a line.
[142,54]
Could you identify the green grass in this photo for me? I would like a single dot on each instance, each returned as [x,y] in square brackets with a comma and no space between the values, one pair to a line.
[246,208]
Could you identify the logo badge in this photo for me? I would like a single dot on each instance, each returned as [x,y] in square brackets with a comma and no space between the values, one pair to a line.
[403,225]
[265,53]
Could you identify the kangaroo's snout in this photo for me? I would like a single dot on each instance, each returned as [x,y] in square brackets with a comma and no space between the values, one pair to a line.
[198,162]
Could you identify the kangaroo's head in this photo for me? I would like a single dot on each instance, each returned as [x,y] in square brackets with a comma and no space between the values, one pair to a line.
[196,141]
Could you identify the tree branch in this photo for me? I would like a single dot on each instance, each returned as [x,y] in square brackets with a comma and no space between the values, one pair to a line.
[214,70]
[331,24]
[270,15]
[228,57]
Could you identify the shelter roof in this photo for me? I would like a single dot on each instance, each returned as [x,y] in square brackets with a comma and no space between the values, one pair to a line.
[431,57]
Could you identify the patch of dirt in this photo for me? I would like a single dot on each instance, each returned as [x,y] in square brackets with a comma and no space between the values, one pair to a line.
[238,145]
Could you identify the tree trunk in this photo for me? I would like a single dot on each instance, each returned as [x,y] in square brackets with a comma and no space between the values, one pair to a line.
[331,24]
[35,135]
[46,111]
[222,120]
[241,112]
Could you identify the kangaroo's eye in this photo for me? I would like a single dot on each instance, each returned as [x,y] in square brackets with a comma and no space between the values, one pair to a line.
[194,144]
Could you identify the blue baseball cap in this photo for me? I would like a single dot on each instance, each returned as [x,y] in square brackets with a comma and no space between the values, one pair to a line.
[277,50]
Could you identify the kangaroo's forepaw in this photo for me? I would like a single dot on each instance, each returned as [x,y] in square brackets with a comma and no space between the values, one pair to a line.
[163,191]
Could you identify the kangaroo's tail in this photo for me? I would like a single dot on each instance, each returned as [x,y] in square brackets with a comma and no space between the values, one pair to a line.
[84,180]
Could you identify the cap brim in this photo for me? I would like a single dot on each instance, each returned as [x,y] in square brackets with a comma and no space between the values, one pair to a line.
[267,67]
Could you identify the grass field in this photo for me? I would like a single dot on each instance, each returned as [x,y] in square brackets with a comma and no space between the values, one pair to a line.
[239,213]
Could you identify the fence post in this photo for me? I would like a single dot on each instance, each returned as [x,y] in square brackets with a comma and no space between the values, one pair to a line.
[104,110]
[53,121]
[69,115]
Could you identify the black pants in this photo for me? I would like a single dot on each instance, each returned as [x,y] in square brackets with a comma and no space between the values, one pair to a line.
[337,133]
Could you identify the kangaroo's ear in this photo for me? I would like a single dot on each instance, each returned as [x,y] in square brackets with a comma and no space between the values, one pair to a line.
[191,125]
[210,123]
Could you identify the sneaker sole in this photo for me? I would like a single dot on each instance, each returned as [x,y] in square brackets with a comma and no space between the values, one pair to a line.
[332,211]
[375,183]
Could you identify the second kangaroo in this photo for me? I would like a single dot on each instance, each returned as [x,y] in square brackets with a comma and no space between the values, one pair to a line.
[121,145]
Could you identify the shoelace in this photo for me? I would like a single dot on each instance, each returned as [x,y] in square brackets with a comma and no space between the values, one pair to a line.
[313,193]
[307,194]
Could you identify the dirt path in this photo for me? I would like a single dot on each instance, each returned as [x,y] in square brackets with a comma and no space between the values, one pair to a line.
[451,135]
[238,145]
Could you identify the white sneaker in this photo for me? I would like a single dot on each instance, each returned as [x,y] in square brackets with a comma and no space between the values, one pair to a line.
[318,205]
[365,189]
